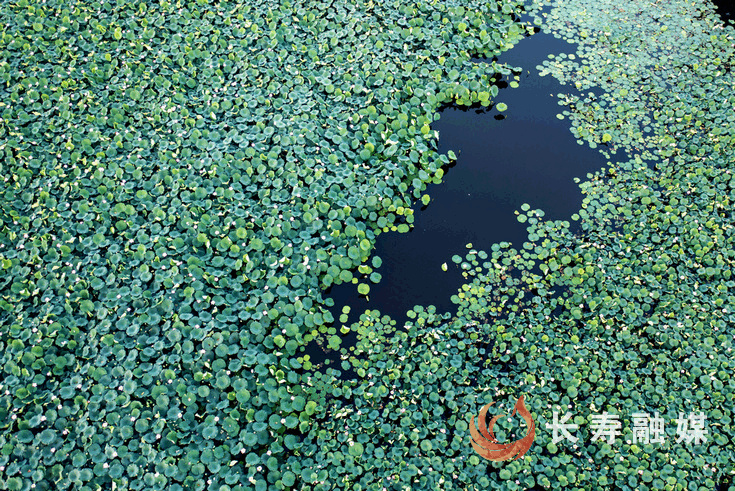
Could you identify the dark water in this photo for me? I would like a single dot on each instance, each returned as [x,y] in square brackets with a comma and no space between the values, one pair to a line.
[726,9]
[526,156]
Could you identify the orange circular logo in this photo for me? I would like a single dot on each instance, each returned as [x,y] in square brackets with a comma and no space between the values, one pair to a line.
[485,444]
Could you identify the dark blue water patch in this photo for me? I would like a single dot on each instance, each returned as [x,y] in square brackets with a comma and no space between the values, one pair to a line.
[523,155]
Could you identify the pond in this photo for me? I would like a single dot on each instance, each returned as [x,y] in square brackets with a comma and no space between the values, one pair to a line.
[523,155]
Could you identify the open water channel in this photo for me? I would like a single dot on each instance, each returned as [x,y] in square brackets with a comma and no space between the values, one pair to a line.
[523,155]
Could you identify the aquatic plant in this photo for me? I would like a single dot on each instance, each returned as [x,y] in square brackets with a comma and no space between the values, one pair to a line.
[180,180]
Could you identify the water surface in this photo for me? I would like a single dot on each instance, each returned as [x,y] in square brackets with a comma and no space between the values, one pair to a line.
[726,9]
[524,155]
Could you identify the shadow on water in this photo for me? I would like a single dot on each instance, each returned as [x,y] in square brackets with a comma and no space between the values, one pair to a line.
[523,155]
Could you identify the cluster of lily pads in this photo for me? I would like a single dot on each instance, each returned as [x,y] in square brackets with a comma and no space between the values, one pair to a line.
[631,314]
[180,181]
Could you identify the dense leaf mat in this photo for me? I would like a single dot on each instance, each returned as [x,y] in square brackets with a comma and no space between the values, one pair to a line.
[180,180]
